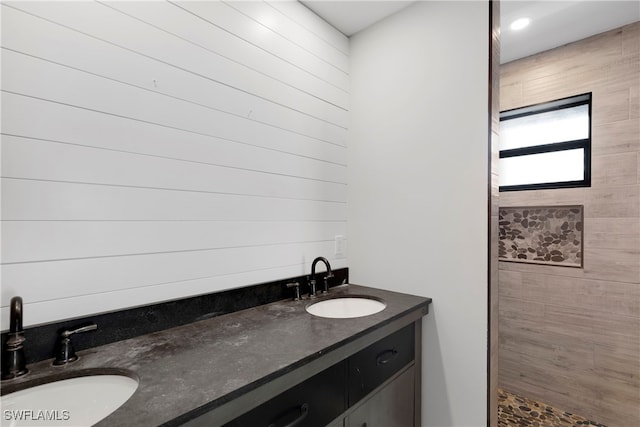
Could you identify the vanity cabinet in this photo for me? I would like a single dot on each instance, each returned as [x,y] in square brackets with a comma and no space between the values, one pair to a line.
[375,364]
[393,405]
[373,387]
[313,403]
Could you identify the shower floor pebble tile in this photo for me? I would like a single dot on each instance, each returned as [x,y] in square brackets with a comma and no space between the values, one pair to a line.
[518,411]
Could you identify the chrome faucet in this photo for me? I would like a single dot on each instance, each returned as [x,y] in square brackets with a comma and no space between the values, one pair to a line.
[312,282]
[15,364]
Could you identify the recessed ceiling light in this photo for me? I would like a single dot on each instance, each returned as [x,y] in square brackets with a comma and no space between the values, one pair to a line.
[519,24]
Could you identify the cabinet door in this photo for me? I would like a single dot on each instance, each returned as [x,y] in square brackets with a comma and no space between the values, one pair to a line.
[390,406]
[380,361]
[312,403]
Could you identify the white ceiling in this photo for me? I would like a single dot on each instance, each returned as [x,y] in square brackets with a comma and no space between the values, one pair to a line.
[351,16]
[553,23]
[556,23]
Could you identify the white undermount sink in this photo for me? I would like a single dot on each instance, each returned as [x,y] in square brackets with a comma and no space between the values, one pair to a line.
[346,307]
[78,401]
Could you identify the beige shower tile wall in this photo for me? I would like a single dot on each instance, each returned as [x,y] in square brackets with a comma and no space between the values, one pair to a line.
[571,337]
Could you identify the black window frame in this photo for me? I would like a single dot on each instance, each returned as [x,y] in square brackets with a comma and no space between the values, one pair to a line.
[545,107]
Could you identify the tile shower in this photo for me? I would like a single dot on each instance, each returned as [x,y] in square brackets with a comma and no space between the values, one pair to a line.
[570,336]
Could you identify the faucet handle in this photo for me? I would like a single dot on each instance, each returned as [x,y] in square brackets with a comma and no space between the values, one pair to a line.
[66,353]
[296,286]
[326,282]
[87,328]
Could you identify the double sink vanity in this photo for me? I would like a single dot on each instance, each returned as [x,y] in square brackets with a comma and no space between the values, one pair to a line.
[348,358]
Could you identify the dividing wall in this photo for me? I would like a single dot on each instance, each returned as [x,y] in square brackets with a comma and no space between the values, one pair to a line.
[419,188]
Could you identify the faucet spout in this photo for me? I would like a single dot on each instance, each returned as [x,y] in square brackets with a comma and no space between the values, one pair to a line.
[327,277]
[15,316]
[14,361]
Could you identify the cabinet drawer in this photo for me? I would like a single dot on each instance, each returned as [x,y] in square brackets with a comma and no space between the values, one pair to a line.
[391,406]
[372,366]
[314,403]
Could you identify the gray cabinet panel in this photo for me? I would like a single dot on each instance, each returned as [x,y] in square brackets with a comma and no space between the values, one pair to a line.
[391,406]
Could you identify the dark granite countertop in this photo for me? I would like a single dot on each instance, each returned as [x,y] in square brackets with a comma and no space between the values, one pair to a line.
[193,369]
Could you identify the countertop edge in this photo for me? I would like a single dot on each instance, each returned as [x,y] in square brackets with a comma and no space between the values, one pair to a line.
[172,365]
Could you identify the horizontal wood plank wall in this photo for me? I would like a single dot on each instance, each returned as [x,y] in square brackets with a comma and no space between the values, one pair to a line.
[571,337]
[157,150]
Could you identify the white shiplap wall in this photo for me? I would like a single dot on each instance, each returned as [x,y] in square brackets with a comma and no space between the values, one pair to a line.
[156,150]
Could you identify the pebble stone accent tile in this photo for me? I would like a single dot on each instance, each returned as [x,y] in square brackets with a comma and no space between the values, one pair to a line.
[541,234]
[518,411]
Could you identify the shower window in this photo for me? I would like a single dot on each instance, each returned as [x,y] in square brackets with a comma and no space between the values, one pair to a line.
[546,145]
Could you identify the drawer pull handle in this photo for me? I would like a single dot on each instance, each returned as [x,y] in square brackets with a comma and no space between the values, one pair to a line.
[387,356]
[302,409]
[360,377]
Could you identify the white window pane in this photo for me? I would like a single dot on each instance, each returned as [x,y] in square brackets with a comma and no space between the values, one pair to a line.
[557,166]
[568,124]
